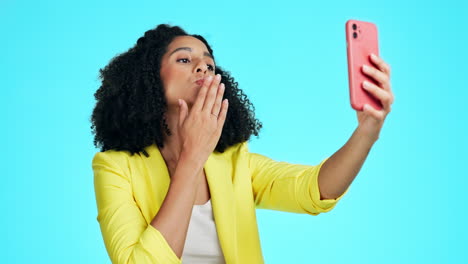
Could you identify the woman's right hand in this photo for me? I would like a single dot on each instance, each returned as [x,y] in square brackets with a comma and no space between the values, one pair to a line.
[201,129]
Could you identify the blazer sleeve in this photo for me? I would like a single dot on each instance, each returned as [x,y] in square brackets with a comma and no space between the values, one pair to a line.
[287,187]
[127,236]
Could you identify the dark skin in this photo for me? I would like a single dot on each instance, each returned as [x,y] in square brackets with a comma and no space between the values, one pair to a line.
[196,114]
[338,172]
[196,123]
[179,71]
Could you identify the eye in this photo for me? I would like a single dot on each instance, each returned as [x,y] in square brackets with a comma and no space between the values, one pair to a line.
[184,60]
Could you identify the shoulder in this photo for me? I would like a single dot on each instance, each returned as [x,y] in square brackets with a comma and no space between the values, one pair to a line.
[111,156]
[236,150]
[236,155]
[120,160]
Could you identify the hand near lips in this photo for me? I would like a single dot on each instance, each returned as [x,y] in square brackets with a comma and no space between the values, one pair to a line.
[200,127]
[371,120]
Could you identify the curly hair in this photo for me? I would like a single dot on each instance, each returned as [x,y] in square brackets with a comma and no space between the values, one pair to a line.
[130,107]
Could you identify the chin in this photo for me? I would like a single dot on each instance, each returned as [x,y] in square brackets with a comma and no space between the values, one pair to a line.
[189,101]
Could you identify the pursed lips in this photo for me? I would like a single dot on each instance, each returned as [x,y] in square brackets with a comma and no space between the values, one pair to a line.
[200,81]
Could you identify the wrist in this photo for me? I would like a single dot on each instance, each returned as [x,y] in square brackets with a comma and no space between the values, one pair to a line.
[187,156]
[365,136]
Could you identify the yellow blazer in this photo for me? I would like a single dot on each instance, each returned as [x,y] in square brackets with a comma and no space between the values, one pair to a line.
[130,190]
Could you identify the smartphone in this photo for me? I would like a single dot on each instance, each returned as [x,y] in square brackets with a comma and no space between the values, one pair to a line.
[361,41]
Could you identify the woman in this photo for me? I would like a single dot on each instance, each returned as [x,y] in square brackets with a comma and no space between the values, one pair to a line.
[175,181]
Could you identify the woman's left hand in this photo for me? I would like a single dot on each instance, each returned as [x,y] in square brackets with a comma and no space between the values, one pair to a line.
[371,120]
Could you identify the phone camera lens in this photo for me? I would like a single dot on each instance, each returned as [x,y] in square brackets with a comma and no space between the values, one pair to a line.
[354,26]
[354,35]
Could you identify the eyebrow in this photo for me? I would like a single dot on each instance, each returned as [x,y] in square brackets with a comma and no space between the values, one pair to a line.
[190,49]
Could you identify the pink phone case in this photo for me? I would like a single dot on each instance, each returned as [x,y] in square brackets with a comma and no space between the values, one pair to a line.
[361,41]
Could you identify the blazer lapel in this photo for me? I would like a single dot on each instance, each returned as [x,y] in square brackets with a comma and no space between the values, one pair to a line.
[218,171]
[219,176]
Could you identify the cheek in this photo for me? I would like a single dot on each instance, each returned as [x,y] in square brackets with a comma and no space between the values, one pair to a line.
[176,84]
[167,79]
[171,76]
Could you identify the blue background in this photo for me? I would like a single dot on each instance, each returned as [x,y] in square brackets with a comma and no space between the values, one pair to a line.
[407,204]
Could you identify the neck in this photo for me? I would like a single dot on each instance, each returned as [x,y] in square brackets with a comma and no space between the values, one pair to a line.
[172,144]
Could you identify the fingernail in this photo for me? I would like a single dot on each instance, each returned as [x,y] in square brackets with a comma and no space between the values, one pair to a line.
[365,67]
[218,77]
[365,84]
[180,102]
[209,78]
[372,55]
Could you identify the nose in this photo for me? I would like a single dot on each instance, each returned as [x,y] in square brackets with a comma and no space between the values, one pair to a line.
[201,67]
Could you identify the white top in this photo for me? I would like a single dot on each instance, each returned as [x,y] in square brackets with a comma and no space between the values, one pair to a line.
[202,243]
